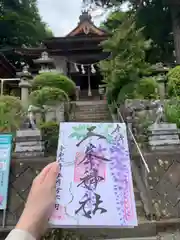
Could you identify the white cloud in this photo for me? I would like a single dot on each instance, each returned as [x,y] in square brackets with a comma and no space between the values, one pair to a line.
[62,16]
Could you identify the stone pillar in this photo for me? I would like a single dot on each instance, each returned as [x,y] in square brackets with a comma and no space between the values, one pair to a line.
[60,113]
[78,89]
[25,86]
[162,89]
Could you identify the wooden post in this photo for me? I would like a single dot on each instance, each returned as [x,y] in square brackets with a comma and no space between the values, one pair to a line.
[2,86]
[89,82]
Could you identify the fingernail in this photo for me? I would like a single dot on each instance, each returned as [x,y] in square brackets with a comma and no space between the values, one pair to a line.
[56,167]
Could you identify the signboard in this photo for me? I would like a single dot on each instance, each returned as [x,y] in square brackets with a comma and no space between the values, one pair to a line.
[5,158]
[94,187]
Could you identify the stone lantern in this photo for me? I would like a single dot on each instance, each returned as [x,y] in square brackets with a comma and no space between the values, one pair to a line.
[160,71]
[25,85]
[46,63]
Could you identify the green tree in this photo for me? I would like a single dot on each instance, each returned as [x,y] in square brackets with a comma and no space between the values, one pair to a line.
[50,89]
[48,96]
[20,23]
[127,64]
[173,85]
[54,80]
[11,112]
[113,21]
[160,18]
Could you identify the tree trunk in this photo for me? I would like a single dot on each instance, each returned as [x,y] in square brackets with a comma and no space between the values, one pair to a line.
[175,13]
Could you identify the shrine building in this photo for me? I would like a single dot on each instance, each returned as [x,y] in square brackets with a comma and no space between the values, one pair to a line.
[76,55]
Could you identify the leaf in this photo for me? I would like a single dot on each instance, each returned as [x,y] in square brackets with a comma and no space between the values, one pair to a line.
[77,135]
[74,135]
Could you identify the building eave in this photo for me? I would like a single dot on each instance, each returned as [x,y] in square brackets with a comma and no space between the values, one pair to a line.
[9,67]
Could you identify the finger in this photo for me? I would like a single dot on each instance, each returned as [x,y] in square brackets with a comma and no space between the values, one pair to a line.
[41,177]
[50,178]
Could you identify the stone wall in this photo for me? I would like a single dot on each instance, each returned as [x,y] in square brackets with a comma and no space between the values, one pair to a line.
[23,172]
[52,113]
[163,181]
[55,112]
[139,115]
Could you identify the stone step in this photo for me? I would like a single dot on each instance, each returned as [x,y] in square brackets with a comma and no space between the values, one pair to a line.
[141,238]
[137,194]
[95,104]
[92,111]
[83,118]
[93,115]
[139,209]
[145,230]
[100,106]
[90,106]
[92,120]
[87,115]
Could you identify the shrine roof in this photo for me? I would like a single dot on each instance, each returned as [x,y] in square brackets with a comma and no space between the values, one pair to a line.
[86,37]
[85,31]
[86,27]
[6,68]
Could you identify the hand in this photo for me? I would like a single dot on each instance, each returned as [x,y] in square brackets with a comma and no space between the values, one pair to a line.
[40,202]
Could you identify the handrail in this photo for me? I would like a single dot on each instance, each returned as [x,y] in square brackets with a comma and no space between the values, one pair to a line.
[133,137]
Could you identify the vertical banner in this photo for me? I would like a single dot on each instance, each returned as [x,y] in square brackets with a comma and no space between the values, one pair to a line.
[5,158]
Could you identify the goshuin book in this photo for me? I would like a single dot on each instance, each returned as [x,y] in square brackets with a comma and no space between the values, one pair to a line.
[94,187]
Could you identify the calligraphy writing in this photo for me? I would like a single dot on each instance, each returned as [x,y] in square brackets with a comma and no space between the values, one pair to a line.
[61,154]
[118,136]
[91,201]
[59,177]
[90,134]
[58,186]
[96,206]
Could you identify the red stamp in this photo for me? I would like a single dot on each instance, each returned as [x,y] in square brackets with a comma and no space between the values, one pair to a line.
[81,168]
[59,212]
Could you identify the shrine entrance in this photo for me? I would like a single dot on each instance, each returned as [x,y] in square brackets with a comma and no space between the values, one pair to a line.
[83,80]
[88,84]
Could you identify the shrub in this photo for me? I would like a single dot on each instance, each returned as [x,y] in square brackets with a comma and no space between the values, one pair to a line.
[48,96]
[50,132]
[147,88]
[11,113]
[173,85]
[54,80]
[172,113]
[126,92]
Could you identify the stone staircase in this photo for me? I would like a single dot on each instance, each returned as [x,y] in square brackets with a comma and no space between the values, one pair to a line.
[84,95]
[97,111]
[91,111]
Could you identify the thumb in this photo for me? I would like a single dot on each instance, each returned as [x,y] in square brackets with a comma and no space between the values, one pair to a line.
[51,176]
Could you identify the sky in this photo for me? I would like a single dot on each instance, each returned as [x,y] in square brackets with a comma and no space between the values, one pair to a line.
[62,16]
